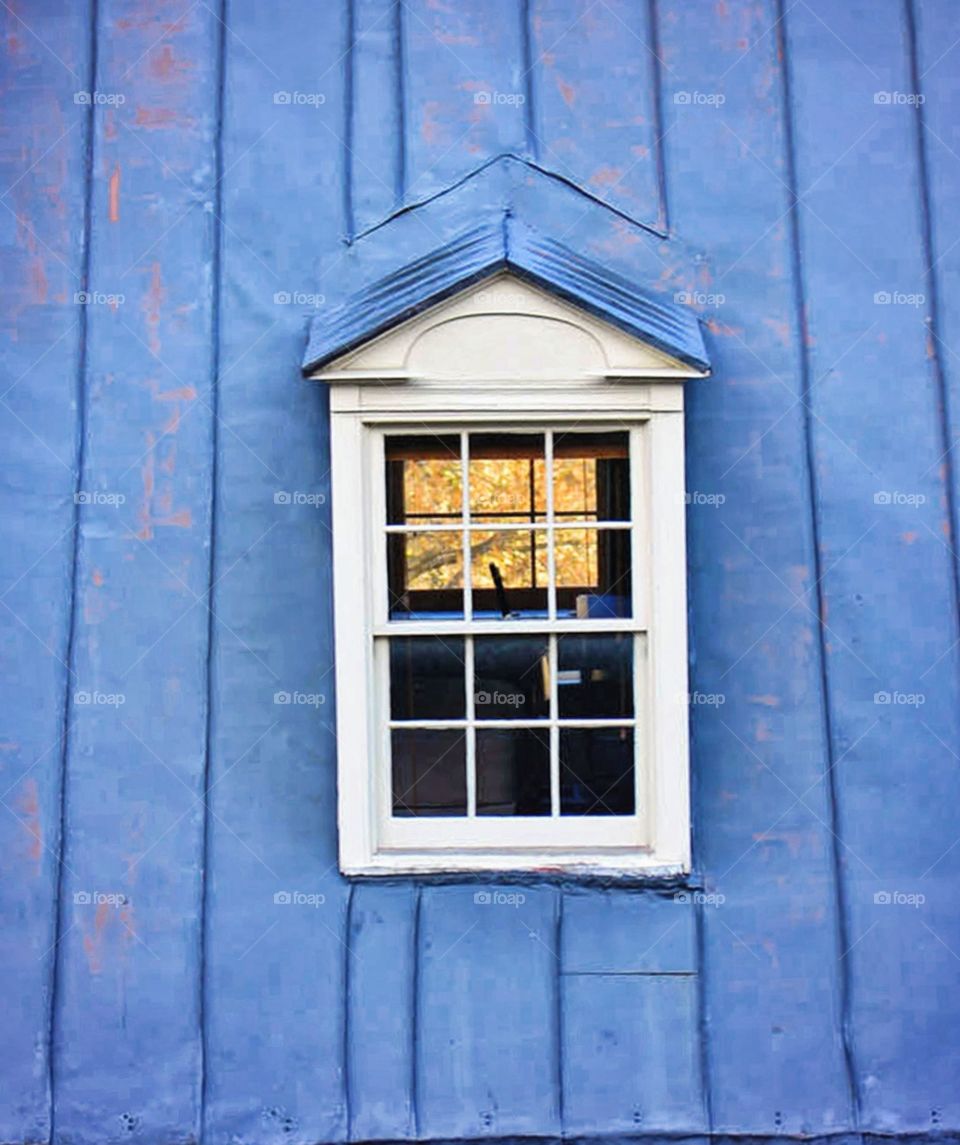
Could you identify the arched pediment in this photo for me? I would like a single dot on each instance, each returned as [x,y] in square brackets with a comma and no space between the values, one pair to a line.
[503,328]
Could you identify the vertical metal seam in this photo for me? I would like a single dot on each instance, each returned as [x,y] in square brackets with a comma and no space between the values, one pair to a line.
[703,1026]
[561,1057]
[415,1016]
[348,98]
[214,399]
[529,89]
[930,276]
[347,991]
[800,304]
[653,32]
[400,188]
[80,437]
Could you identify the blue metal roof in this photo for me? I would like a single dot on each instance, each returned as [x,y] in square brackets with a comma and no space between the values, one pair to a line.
[505,240]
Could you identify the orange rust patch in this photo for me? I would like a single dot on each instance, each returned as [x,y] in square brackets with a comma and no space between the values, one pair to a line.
[909,537]
[38,279]
[97,577]
[147,476]
[152,304]
[768,701]
[160,118]
[430,128]
[182,394]
[29,805]
[93,943]
[780,329]
[716,327]
[567,91]
[606,176]
[114,195]
[164,65]
[156,508]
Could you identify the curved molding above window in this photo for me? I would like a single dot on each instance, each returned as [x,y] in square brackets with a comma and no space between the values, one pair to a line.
[504,328]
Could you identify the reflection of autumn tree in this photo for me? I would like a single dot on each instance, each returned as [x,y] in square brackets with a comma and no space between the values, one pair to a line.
[432,488]
[502,490]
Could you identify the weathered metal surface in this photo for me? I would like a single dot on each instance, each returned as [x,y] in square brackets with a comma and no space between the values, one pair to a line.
[771,969]
[888,560]
[783,152]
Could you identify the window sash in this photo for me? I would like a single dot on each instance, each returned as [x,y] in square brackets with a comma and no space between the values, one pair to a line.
[554,833]
[638,524]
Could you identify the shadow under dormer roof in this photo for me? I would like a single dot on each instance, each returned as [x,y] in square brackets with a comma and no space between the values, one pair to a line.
[511,217]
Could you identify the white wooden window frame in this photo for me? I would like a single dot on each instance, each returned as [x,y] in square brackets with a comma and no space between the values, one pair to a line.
[645,398]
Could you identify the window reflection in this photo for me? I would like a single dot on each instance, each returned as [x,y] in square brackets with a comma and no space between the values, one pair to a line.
[513,771]
[596,771]
[429,772]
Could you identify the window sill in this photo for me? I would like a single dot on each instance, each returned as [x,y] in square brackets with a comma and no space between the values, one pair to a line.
[619,870]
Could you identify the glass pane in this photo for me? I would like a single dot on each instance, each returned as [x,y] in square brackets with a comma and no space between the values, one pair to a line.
[507,477]
[427,678]
[594,676]
[425,575]
[513,771]
[596,771]
[593,573]
[509,573]
[591,476]
[429,772]
[424,479]
[511,676]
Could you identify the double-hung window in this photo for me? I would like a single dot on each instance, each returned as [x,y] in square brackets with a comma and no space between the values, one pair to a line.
[509,584]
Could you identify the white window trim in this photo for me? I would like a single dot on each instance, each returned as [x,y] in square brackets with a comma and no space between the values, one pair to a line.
[363,407]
